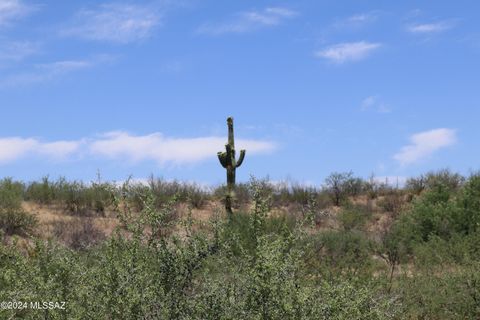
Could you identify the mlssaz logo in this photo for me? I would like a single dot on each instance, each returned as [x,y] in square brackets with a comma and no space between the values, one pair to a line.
[42,305]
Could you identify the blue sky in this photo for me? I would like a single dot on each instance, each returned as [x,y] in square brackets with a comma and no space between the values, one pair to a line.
[139,88]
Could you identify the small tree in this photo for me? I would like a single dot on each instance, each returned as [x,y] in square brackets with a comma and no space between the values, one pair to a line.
[338,184]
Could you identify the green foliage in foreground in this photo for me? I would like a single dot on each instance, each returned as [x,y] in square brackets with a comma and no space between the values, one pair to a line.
[13,219]
[202,275]
[257,265]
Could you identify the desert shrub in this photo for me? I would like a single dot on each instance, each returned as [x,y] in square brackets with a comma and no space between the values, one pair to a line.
[434,214]
[47,273]
[198,197]
[17,221]
[300,194]
[74,197]
[133,195]
[43,192]
[354,186]
[13,219]
[183,191]
[323,200]
[77,233]
[438,254]
[100,197]
[393,202]
[450,295]
[241,226]
[353,217]
[11,194]
[81,199]
[416,185]
[144,272]
[468,204]
[345,253]
[453,181]
[431,180]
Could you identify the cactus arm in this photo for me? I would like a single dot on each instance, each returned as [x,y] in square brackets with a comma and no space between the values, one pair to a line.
[222,157]
[240,159]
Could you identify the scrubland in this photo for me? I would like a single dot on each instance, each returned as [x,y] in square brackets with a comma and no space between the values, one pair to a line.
[351,249]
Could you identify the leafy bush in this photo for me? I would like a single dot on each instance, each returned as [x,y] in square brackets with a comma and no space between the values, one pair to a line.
[166,190]
[345,253]
[17,221]
[451,295]
[43,192]
[468,203]
[431,180]
[353,217]
[393,202]
[11,194]
[13,219]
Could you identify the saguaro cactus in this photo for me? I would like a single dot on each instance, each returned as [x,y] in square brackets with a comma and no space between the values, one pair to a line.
[228,161]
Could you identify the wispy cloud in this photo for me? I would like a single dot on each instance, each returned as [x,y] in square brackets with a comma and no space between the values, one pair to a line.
[47,72]
[165,150]
[375,103]
[44,73]
[357,20]
[17,50]
[249,21]
[14,148]
[114,22]
[348,51]
[430,28]
[11,10]
[424,144]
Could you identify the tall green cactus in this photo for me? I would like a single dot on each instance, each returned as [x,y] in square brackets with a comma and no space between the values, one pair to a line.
[228,161]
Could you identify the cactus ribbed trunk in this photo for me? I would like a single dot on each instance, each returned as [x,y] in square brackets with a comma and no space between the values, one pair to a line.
[228,161]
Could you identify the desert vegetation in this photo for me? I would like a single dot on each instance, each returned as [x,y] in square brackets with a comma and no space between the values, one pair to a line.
[353,248]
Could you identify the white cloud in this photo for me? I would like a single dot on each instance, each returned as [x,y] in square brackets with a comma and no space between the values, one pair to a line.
[15,148]
[165,150]
[249,21]
[429,28]
[11,10]
[119,23]
[374,103]
[349,51]
[123,146]
[424,144]
[59,149]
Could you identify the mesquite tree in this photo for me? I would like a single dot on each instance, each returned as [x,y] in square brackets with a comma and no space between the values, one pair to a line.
[228,161]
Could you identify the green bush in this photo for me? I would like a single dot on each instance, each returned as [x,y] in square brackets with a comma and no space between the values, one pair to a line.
[13,219]
[347,253]
[468,203]
[17,222]
[11,194]
[353,217]
[450,295]
[43,192]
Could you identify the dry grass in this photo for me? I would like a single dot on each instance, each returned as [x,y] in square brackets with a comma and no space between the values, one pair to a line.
[55,222]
